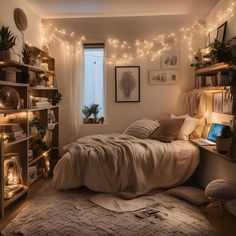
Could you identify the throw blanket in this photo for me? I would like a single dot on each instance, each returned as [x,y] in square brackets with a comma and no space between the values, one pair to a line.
[117,162]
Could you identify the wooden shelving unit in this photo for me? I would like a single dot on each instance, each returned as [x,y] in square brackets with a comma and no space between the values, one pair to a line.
[22,116]
[212,71]
[213,68]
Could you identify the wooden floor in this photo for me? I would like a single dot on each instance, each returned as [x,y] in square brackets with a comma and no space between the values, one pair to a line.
[225,226]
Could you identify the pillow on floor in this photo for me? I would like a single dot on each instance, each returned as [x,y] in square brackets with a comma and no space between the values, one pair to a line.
[142,128]
[188,127]
[193,195]
[168,130]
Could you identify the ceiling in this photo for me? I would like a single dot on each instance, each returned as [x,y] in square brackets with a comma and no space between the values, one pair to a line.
[49,9]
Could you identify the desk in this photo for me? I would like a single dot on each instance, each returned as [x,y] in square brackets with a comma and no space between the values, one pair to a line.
[212,149]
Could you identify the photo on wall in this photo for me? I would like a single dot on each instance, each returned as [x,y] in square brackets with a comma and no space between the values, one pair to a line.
[163,77]
[127,83]
[170,60]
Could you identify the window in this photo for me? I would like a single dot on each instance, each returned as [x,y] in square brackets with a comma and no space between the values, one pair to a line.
[93,80]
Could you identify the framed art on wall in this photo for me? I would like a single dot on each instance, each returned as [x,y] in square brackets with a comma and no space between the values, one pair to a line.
[221,32]
[163,77]
[217,105]
[170,60]
[127,83]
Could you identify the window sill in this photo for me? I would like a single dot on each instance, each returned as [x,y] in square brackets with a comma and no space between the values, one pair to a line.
[96,125]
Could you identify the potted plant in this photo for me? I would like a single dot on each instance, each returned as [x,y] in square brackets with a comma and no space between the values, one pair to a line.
[94,108]
[56,98]
[7,41]
[224,141]
[26,54]
[45,79]
[220,52]
[87,113]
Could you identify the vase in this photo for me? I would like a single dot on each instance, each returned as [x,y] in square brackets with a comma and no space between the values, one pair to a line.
[5,55]
[86,121]
[223,145]
[26,60]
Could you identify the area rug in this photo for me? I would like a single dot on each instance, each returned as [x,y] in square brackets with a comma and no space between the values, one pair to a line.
[71,213]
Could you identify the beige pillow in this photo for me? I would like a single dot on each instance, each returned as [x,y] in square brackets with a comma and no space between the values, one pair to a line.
[142,128]
[198,131]
[190,194]
[188,127]
[168,130]
[206,130]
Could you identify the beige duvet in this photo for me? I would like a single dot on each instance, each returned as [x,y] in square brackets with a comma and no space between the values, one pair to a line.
[116,162]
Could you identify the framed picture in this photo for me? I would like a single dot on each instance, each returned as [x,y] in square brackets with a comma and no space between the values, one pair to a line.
[163,77]
[207,41]
[227,102]
[127,83]
[221,32]
[213,36]
[217,102]
[170,60]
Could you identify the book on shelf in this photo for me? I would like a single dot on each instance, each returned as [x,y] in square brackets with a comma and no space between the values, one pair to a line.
[10,127]
[12,139]
[42,104]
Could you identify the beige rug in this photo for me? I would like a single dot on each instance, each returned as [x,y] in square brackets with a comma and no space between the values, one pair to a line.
[71,213]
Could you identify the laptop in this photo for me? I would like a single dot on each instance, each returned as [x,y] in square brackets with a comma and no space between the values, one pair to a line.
[214,132]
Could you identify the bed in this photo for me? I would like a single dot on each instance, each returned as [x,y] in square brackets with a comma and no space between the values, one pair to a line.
[113,163]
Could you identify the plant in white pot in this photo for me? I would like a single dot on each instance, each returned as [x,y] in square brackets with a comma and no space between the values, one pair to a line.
[94,108]
[7,41]
[224,141]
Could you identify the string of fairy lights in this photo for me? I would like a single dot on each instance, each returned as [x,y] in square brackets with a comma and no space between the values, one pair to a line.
[150,49]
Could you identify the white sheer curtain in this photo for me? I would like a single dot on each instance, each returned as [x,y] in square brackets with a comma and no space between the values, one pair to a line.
[93,78]
[68,70]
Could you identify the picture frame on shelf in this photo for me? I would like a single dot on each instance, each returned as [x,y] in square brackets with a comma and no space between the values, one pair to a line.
[207,42]
[163,77]
[227,102]
[213,36]
[221,32]
[127,83]
[217,105]
[170,60]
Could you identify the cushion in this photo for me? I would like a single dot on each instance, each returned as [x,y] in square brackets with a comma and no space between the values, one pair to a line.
[193,195]
[198,131]
[206,130]
[168,130]
[142,128]
[188,127]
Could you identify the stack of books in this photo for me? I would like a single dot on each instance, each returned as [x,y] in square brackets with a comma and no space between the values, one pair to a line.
[11,132]
[30,155]
[41,102]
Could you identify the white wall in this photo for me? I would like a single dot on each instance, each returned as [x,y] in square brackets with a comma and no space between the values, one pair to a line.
[33,34]
[154,99]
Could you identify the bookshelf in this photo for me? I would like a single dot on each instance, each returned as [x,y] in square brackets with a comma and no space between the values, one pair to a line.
[35,102]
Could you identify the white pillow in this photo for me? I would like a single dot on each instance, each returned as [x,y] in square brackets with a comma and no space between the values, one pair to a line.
[188,126]
[142,128]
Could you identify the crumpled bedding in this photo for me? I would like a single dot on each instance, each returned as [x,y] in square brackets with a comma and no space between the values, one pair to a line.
[122,163]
